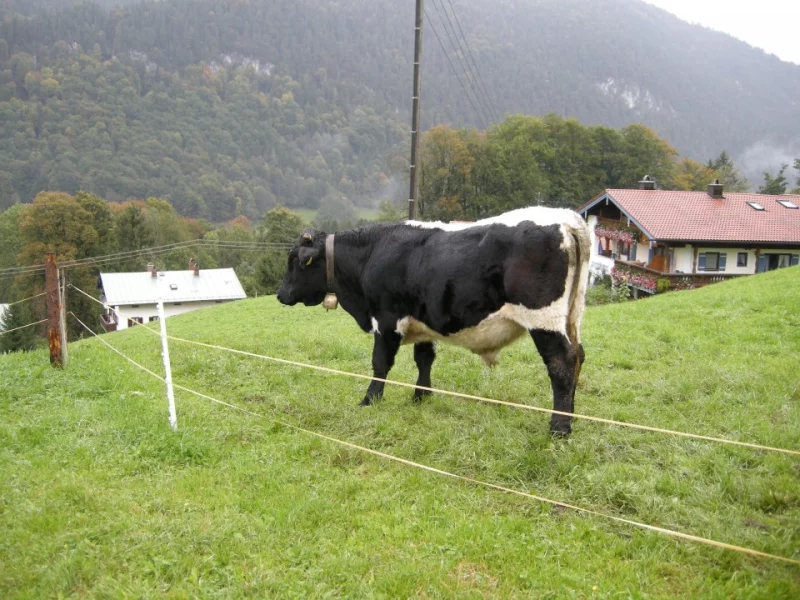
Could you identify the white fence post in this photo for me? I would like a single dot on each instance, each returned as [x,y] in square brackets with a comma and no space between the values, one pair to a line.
[173,418]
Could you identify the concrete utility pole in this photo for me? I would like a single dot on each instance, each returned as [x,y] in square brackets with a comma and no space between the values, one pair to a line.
[414,187]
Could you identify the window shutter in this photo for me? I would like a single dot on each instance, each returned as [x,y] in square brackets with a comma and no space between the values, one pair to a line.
[632,256]
[723,258]
[762,264]
[795,260]
[701,261]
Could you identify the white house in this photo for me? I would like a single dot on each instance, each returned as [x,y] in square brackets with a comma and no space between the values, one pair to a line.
[133,297]
[665,239]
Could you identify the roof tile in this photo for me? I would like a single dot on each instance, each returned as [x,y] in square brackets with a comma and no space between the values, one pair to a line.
[696,216]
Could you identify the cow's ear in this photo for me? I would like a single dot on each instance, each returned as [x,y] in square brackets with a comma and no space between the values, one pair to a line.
[307,256]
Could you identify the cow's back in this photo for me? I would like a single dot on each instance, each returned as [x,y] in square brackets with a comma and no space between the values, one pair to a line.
[480,286]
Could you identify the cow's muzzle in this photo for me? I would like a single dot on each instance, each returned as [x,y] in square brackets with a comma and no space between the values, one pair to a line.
[286,297]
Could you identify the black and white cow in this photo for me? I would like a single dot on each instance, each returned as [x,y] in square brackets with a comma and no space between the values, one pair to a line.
[478,285]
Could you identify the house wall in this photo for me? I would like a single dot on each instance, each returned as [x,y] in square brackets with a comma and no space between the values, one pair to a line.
[684,258]
[642,252]
[148,311]
[592,222]
[686,261]
[732,253]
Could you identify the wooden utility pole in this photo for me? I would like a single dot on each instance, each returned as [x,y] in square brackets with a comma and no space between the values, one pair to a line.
[414,187]
[53,309]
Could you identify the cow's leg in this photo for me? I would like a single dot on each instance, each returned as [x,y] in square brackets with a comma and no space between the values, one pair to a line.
[561,360]
[424,354]
[384,350]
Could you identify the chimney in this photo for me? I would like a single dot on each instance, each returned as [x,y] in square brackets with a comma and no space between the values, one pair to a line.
[193,266]
[715,189]
[647,183]
[153,271]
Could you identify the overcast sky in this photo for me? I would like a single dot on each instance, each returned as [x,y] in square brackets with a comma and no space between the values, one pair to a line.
[772,25]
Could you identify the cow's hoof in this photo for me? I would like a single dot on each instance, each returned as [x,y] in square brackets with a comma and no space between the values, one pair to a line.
[418,394]
[559,429]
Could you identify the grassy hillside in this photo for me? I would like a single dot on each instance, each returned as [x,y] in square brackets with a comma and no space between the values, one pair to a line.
[99,498]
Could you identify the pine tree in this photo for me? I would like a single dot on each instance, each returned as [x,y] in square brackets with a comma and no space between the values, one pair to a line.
[23,340]
[775,184]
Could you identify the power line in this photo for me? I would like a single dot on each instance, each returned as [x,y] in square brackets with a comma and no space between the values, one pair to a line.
[455,72]
[481,83]
[124,254]
[461,61]
[462,58]
[146,252]
[465,66]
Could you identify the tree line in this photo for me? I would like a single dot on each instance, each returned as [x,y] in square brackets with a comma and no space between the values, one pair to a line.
[552,161]
[84,226]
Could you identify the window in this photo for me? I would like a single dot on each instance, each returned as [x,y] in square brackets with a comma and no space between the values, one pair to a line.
[154,318]
[177,303]
[741,259]
[711,261]
[135,320]
[756,206]
[173,286]
[787,203]
[770,262]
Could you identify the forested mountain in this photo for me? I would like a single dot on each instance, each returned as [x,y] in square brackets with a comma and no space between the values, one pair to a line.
[226,107]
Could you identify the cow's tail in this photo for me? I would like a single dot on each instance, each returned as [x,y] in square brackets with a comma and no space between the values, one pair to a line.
[580,281]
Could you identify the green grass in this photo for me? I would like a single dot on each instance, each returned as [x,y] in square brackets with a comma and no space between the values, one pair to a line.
[99,498]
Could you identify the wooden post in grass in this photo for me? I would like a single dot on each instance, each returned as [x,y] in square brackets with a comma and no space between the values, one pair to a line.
[173,418]
[53,309]
[62,317]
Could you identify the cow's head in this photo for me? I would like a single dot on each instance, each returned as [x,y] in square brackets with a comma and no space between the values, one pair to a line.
[305,280]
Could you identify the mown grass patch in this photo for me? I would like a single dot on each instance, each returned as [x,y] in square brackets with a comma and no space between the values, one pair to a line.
[98,497]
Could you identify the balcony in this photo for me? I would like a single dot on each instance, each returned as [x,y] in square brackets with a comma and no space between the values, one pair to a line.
[653,281]
[108,323]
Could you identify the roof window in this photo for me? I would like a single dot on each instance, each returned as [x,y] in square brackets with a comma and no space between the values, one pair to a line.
[174,286]
[787,204]
[756,206]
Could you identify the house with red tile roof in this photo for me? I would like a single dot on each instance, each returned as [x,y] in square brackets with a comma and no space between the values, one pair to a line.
[664,239]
